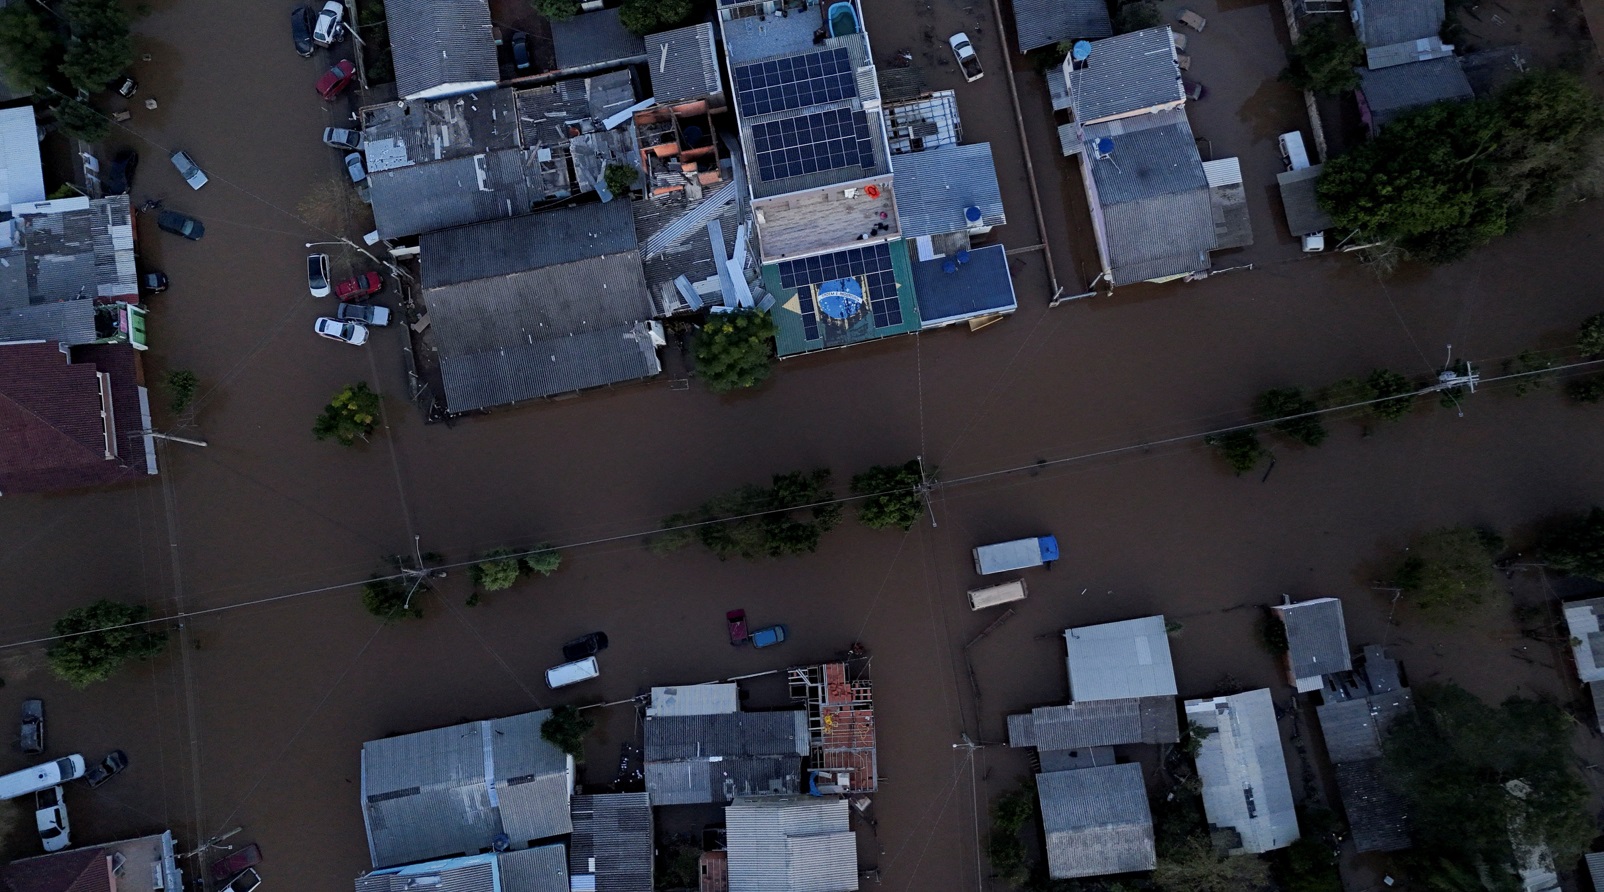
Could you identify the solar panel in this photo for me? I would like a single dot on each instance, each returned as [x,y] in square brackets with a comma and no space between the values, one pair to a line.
[871,266]
[778,85]
[810,143]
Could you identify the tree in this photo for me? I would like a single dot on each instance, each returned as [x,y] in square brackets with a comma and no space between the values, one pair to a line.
[1449,570]
[1273,633]
[1586,390]
[1452,761]
[1240,449]
[1194,867]
[80,121]
[735,350]
[1590,337]
[181,387]
[351,415]
[100,49]
[100,639]
[789,517]
[29,47]
[391,599]
[1395,392]
[893,496]
[642,17]
[1575,545]
[621,178]
[556,10]
[1324,58]
[1136,15]
[496,570]
[1285,404]
[1004,849]
[566,730]
[544,559]
[1307,865]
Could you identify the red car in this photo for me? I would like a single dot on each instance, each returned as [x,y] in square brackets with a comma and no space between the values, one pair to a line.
[250,856]
[336,79]
[358,287]
[736,620]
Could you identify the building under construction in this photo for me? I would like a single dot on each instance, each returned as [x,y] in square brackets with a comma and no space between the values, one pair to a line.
[839,700]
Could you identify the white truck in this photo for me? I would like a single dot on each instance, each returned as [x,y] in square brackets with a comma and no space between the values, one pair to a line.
[1016,555]
[1295,157]
[996,595]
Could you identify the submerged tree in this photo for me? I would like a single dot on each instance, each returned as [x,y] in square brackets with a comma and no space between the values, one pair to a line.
[735,350]
[1240,448]
[98,639]
[350,416]
[893,496]
[1575,545]
[566,730]
[1292,413]
[1324,59]
[1450,570]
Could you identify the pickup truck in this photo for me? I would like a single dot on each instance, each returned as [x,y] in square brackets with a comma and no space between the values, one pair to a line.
[364,313]
[1015,555]
[968,61]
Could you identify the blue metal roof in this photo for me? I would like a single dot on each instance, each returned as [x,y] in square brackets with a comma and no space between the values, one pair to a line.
[934,187]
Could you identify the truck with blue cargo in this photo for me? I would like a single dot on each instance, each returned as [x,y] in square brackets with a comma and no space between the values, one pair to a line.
[1019,554]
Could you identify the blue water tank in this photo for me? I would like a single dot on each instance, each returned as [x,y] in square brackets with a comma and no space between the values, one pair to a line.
[948,267]
[1081,51]
[1105,146]
[972,214]
[963,255]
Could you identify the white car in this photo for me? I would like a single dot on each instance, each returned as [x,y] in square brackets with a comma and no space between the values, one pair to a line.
[341,138]
[50,815]
[353,333]
[189,170]
[317,274]
[327,30]
[968,62]
[353,166]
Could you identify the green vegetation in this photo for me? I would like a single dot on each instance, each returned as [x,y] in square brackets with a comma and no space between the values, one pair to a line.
[391,599]
[1187,861]
[1590,336]
[566,730]
[735,350]
[1450,570]
[30,50]
[350,416]
[643,17]
[1395,392]
[100,49]
[182,386]
[679,866]
[543,559]
[80,120]
[1004,849]
[1282,405]
[1475,775]
[102,637]
[377,63]
[1575,545]
[894,499]
[621,178]
[1272,633]
[1535,365]
[496,571]
[1240,449]
[1324,58]
[556,10]
[1586,390]
[1308,865]
[1135,15]
[789,517]
[1444,180]
[1192,741]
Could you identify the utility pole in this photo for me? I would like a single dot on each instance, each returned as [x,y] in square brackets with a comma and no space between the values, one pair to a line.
[173,437]
[926,486]
[419,574]
[214,842]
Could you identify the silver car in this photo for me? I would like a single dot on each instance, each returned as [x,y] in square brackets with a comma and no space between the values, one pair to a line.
[317,274]
[353,166]
[327,30]
[341,138]
[353,333]
[189,170]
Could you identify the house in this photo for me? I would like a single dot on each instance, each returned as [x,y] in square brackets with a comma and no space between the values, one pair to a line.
[1096,821]
[1050,22]
[148,862]
[1587,649]
[1354,720]
[1317,641]
[1120,660]
[67,273]
[464,789]
[1153,204]
[593,40]
[839,701]
[683,65]
[1096,723]
[538,869]
[791,844]
[701,748]
[1246,793]
[1388,93]
[611,849]
[22,176]
[1595,870]
[538,306]
[72,417]
[1397,32]
[441,48]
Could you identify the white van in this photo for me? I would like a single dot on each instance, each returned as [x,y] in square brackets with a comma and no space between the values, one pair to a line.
[41,777]
[993,595]
[572,673]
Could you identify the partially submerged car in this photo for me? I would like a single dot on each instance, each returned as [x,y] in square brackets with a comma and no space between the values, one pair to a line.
[181,224]
[245,881]
[341,138]
[153,281]
[189,170]
[359,286]
[354,167]
[329,27]
[120,178]
[235,863]
[585,646]
[353,333]
[968,60]
[335,80]
[107,768]
[32,740]
[317,274]
[367,314]
[50,817]
[768,636]
[736,620]
[301,30]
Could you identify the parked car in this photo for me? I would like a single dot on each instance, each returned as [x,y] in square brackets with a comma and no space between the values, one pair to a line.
[359,286]
[181,224]
[125,86]
[353,166]
[245,881]
[189,170]
[768,636]
[1194,90]
[968,61]
[341,138]
[572,673]
[301,30]
[736,620]
[109,767]
[353,333]
[236,862]
[327,31]
[120,178]
[32,739]
[50,816]
[520,50]
[585,646]
[153,282]
[317,274]
[335,80]
[367,314]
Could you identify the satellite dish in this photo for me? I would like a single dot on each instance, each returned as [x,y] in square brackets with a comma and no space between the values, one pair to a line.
[1081,51]
[840,298]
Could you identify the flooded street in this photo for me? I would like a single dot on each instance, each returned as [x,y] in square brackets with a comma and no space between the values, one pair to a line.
[256,714]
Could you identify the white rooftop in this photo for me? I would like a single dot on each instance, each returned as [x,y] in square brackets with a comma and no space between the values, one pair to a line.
[1244,770]
[1582,618]
[699,699]
[22,176]
[1115,661]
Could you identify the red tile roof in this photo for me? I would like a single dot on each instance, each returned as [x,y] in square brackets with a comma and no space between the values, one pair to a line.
[77,870]
[52,435]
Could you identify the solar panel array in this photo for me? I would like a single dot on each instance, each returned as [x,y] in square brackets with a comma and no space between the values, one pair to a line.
[810,143]
[871,266]
[795,82]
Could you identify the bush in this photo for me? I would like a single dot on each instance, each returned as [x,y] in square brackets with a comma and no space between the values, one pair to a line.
[1240,449]
[1307,865]
[1004,849]
[566,730]
[894,498]
[102,637]
[642,17]
[350,416]
[1324,58]
[1575,545]
[1535,367]
[181,388]
[496,571]
[620,178]
[556,10]
[1137,15]
[545,559]
[735,350]
[391,599]
[789,517]
[1285,404]
[1395,392]
[1273,633]
[1590,337]
[1586,390]
[1450,570]
[80,121]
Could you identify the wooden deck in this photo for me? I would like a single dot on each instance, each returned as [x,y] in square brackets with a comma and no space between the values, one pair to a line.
[821,220]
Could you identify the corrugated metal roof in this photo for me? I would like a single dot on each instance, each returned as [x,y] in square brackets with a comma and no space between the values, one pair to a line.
[423,198]
[1377,817]
[441,47]
[1097,723]
[1126,74]
[592,38]
[934,187]
[1058,88]
[22,174]
[1353,729]
[72,322]
[1046,22]
[715,758]
[1386,22]
[612,841]
[1299,196]
[697,699]
[1582,618]
[791,844]
[1154,199]
[538,869]
[1115,661]
[476,873]
[532,241]
[1317,639]
[1096,821]
[683,64]
[1595,868]
[1244,770]
[1390,92]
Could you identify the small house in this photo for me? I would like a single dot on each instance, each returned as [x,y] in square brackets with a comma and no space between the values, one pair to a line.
[1246,792]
